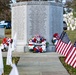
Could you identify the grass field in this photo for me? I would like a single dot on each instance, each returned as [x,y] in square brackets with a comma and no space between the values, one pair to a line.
[72,35]
[7,68]
[71,70]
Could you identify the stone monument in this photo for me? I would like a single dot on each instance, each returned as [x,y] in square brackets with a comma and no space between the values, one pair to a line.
[36,17]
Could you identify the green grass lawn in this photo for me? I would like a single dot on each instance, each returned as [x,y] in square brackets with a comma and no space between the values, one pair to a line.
[7,68]
[71,70]
[72,35]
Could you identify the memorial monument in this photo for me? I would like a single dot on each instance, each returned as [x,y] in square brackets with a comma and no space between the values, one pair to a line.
[36,17]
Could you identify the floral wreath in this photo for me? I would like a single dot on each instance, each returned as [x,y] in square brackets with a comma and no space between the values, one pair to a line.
[55,38]
[5,43]
[37,44]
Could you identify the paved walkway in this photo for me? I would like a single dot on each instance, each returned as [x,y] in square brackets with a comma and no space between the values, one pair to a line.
[40,64]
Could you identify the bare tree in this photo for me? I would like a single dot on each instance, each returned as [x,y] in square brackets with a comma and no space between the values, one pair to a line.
[5,13]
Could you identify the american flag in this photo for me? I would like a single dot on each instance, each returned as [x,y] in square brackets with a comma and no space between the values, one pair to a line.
[63,45]
[71,57]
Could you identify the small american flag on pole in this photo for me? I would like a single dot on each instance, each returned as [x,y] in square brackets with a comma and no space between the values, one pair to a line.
[71,57]
[63,45]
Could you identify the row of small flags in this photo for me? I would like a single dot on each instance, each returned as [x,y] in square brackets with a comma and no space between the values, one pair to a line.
[11,48]
[65,48]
